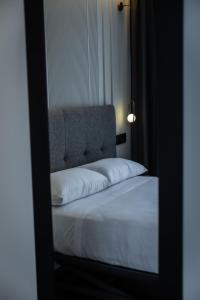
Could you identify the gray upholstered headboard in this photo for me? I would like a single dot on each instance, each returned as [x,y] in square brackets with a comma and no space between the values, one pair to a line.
[81,135]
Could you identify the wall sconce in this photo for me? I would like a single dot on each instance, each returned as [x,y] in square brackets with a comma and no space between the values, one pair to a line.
[131,118]
[123,4]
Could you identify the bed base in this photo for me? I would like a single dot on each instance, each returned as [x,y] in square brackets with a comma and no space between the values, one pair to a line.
[97,280]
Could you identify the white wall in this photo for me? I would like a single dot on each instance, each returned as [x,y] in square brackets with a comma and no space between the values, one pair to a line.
[88,57]
[191,150]
[17,247]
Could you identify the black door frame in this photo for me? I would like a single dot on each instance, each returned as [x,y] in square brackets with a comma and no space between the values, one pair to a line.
[170,62]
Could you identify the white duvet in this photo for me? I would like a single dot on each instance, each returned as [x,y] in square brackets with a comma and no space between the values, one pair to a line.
[118,226]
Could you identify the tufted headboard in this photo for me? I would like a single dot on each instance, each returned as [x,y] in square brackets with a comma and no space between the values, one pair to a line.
[81,135]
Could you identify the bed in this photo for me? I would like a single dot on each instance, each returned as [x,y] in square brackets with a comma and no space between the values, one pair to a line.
[113,232]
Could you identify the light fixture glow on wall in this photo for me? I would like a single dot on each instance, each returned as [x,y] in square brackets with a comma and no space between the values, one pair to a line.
[131,118]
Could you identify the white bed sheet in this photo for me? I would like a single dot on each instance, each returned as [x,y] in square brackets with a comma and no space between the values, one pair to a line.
[118,226]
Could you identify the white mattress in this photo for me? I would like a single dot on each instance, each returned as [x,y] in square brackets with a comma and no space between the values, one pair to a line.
[118,226]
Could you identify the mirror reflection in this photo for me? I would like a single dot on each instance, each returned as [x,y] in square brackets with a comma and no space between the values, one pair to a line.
[101,77]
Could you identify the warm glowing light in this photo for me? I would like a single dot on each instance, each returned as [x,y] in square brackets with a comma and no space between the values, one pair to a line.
[131,118]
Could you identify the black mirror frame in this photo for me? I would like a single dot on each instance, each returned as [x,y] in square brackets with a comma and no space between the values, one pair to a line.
[170,64]
[170,61]
[38,115]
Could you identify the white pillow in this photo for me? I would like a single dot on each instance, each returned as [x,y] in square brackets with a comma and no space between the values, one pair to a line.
[76,183]
[116,169]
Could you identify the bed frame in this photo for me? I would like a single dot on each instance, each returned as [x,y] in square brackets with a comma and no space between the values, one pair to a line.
[79,136]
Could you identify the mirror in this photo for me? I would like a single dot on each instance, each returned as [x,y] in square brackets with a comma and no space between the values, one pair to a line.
[101,76]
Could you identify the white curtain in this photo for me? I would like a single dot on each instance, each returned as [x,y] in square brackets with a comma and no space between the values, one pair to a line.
[88,56]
